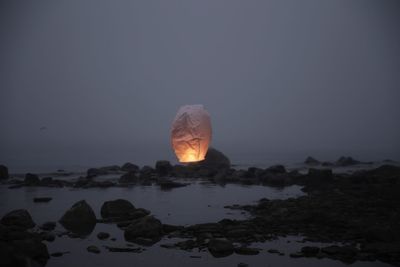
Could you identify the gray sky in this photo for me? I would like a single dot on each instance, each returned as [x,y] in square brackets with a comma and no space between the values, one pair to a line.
[283,76]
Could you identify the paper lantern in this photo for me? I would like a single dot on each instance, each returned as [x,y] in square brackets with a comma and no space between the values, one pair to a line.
[191,133]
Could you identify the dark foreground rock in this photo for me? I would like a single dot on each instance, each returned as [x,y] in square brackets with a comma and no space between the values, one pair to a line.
[79,219]
[119,209]
[3,172]
[17,246]
[130,167]
[31,179]
[42,199]
[220,247]
[18,218]
[311,161]
[144,229]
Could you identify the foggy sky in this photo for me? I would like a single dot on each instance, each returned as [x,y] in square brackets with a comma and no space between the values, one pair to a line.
[109,76]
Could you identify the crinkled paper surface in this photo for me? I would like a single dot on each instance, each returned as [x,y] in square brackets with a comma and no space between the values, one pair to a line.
[191,133]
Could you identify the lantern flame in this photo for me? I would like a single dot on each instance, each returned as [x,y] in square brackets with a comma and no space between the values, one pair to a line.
[191,133]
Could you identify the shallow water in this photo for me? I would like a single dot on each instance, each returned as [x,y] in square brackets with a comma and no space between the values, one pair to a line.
[198,202]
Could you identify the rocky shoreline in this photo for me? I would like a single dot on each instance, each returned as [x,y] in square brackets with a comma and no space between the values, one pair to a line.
[360,211]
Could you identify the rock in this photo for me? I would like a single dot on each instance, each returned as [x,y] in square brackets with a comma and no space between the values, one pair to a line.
[146,172]
[58,254]
[103,235]
[3,172]
[296,255]
[242,264]
[163,167]
[42,199]
[247,251]
[128,178]
[93,249]
[19,218]
[275,169]
[92,172]
[310,251]
[79,219]
[346,251]
[33,249]
[214,159]
[311,161]
[320,174]
[346,161]
[129,167]
[327,164]
[31,179]
[220,247]
[48,226]
[119,249]
[146,227]
[46,236]
[119,208]
[45,181]
[168,184]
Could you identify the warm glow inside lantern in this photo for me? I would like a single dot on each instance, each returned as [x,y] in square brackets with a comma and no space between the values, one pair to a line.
[191,133]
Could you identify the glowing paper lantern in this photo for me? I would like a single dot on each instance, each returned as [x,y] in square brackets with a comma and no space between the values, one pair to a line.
[191,133]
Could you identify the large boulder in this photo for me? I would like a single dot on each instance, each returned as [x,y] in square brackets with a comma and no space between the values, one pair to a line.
[128,178]
[144,228]
[163,167]
[220,247]
[31,179]
[311,161]
[214,159]
[20,218]
[92,172]
[80,218]
[119,208]
[130,167]
[276,169]
[3,172]
[346,161]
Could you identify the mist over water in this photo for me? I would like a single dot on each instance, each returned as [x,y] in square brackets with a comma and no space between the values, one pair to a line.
[88,83]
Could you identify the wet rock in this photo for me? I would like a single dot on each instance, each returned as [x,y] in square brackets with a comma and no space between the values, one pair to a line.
[327,164]
[163,167]
[57,254]
[310,251]
[168,184]
[128,178]
[214,159]
[42,199]
[19,218]
[242,264]
[93,249]
[247,251]
[32,249]
[276,169]
[48,226]
[119,208]
[3,172]
[92,172]
[31,179]
[311,161]
[79,219]
[45,181]
[296,255]
[220,247]
[130,167]
[168,228]
[320,174]
[103,235]
[46,236]
[122,249]
[346,161]
[146,227]
[146,172]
